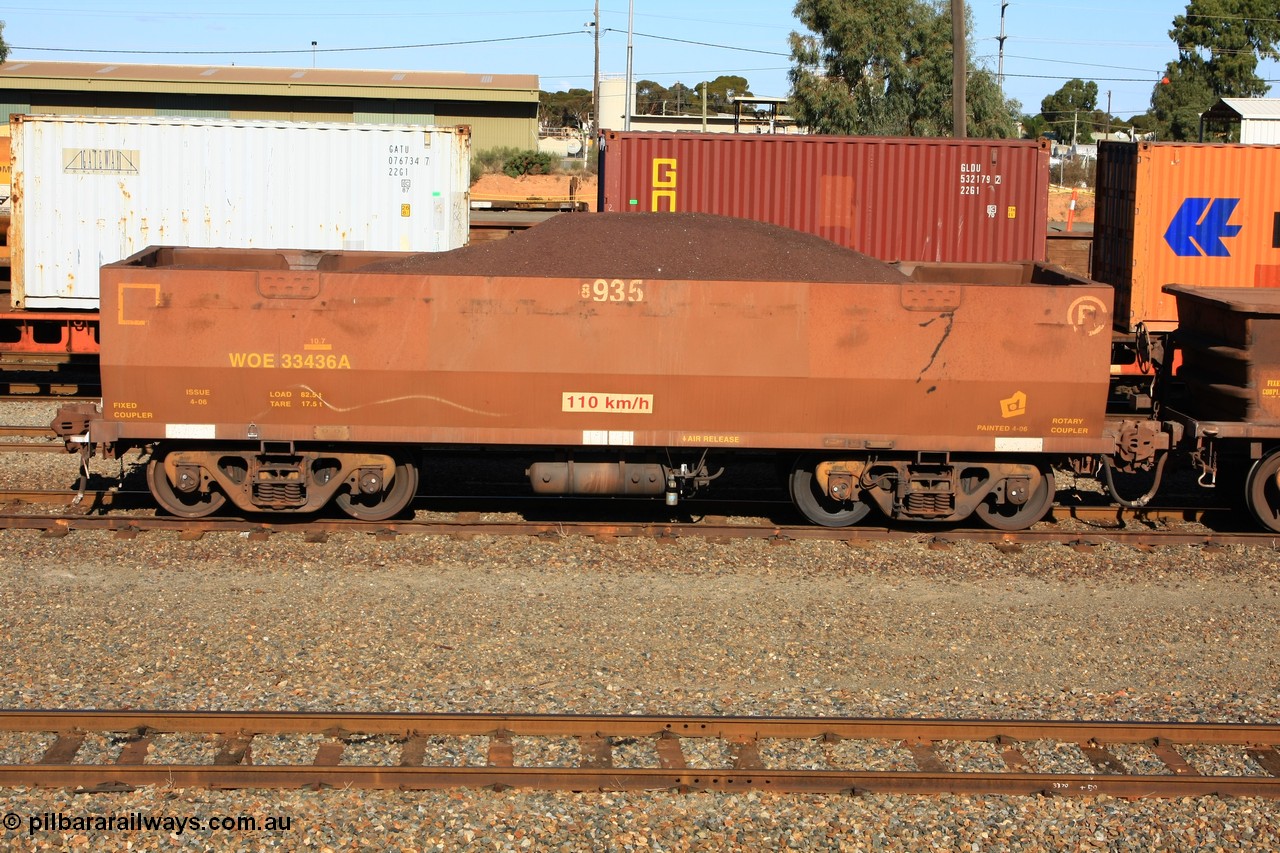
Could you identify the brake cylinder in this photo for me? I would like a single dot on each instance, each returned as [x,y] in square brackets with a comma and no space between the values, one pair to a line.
[597,478]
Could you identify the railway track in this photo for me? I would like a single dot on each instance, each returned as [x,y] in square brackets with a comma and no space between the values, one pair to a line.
[38,440]
[121,750]
[96,510]
[1082,525]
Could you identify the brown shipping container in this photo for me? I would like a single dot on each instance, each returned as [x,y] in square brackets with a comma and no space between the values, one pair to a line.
[1183,213]
[897,199]
[243,345]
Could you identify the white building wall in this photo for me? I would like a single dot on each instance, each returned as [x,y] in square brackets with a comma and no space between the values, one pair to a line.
[1260,132]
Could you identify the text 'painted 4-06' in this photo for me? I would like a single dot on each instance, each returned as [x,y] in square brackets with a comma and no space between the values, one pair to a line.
[623,354]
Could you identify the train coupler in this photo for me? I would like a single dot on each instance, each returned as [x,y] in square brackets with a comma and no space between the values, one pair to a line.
[71,424]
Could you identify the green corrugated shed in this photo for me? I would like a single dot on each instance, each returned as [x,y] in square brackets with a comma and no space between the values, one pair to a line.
[501,109]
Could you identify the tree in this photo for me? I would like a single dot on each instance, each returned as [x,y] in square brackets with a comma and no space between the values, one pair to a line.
[565,109]
[1142,124]
[680,99]
[720,91]
[1219,43]
[885,68]
[650,97]
[1033,127]
[1064,109]
[4,45]
[1179,98]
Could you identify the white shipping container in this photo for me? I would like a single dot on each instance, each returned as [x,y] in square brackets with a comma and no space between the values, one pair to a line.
[93,190]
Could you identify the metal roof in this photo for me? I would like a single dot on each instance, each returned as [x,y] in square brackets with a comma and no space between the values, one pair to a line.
[1247,109]
[241,79]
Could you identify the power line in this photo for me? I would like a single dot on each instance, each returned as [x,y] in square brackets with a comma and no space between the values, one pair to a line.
[307,51]
[1079,64]
[1095,79]
[703,43]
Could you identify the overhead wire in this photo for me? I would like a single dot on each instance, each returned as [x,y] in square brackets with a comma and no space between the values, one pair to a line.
[307,51]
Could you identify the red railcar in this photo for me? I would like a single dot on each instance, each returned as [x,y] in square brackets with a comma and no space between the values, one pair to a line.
[282,381]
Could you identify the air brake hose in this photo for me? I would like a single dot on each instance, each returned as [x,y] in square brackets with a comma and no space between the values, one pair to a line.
[1138,503]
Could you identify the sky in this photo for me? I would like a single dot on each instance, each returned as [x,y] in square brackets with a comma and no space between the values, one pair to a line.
[1122,46]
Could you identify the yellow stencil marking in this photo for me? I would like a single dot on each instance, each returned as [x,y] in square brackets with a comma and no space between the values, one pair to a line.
[121,289]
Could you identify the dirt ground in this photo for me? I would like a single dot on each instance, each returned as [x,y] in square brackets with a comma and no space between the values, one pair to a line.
[557,187]
[1060,203]
[551,187]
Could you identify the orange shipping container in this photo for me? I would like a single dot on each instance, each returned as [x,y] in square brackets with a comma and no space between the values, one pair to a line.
[1184,213]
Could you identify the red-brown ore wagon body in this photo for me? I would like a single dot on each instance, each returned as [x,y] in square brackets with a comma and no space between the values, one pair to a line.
[1229,389]
[215,349]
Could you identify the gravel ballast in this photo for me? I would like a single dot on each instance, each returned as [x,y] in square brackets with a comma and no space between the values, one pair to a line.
[514,625]
[424,623]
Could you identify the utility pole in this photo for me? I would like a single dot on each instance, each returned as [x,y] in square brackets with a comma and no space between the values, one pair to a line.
[959,68]
[1004,5]
[595,88]
[631,14]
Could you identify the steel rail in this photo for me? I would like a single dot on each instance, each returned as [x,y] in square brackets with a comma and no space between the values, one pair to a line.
[32,447]
[31,432]
[465,525]
[597,737]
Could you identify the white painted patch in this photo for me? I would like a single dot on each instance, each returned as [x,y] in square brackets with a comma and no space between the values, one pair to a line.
[595,436]
[1020,445]
[624,437]
[189,431]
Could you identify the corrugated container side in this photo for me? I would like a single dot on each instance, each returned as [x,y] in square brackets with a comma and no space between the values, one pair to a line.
[1114,201]
[92,190]
[1184,213]
[893,198]
[6,177]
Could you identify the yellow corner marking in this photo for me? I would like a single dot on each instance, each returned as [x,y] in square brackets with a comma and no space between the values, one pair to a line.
[121,288]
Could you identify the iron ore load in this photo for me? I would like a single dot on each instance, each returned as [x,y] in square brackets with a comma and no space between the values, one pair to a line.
[616,354]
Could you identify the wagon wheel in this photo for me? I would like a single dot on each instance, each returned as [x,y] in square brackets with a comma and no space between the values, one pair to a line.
[384,504]
[1010,516]
[1262,491]
[181,504]
[820,508]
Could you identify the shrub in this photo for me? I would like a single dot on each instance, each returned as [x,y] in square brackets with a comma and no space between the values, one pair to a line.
[529,163]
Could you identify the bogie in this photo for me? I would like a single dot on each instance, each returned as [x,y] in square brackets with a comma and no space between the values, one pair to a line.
[194,482]
[1262,491]
[1008,495]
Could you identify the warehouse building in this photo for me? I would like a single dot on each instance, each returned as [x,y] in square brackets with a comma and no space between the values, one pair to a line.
[501,109]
